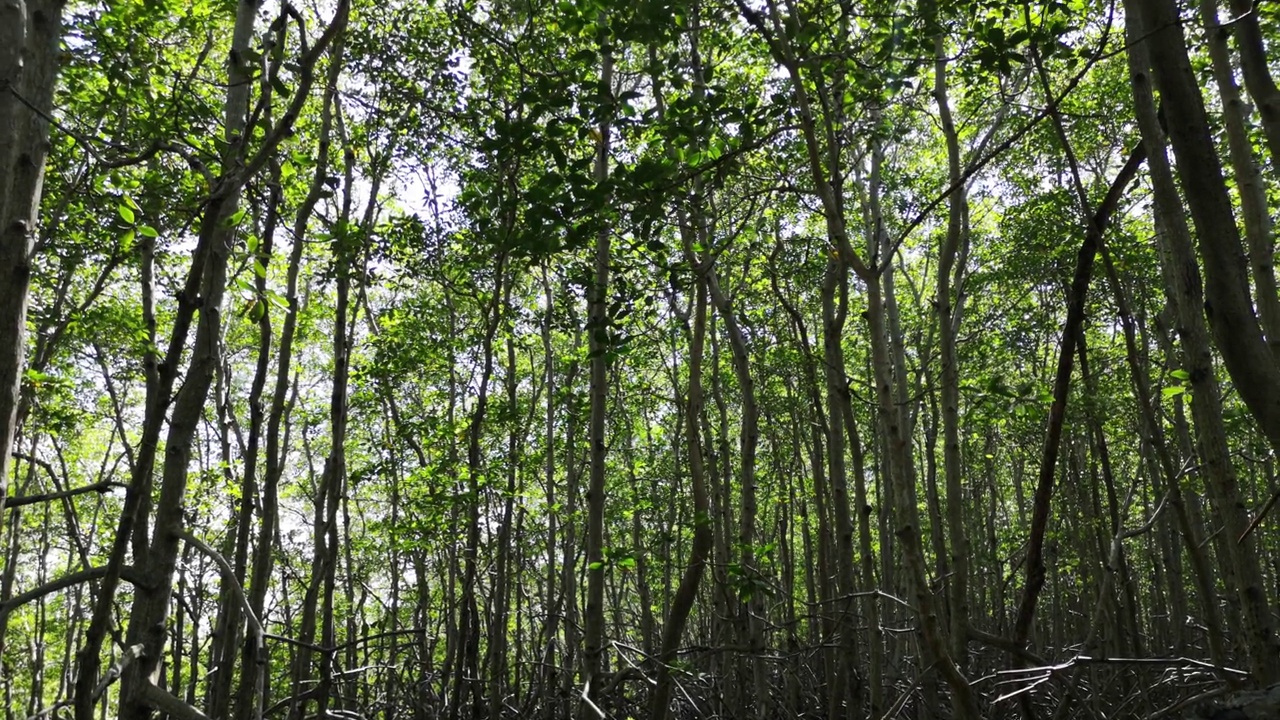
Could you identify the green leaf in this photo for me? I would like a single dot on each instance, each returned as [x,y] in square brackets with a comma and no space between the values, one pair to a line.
[126,213]
[1180,374]
[148,231]
[1173,391]
[277,300]
[235,218]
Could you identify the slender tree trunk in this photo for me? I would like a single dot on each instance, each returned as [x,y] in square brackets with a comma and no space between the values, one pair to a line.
[902,474]
[1229,306]
[502,581]
[228,629]
[599,334]
[251,695]
[1153,428]
[1035,562]
[687,592]
[951,262]
[1256,68]
[465,687]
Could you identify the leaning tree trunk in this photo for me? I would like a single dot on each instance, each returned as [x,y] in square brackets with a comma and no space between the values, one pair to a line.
[1248,177]
[1169,218]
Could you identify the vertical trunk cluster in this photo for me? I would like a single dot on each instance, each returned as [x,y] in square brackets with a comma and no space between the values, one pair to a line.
[1224,298]
[156,552]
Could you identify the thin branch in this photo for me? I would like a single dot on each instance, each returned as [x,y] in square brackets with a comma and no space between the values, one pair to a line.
[167,703]
[228,577]
[99,487]
[62,583]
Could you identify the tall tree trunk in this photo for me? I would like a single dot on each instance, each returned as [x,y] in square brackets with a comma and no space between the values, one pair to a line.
[1163,470]
[951,262]
[30,42]
[599,334]
[465,687]
[252,691]
[140,692]
[1256,68]
[901,467]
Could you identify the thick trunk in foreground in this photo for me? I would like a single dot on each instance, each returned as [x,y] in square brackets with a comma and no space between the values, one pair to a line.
[30,32]
[1228,304]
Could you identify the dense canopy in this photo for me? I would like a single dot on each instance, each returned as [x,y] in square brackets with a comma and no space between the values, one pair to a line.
[661,359]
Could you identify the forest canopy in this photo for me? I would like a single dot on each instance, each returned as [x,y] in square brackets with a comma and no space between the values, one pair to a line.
[663,359]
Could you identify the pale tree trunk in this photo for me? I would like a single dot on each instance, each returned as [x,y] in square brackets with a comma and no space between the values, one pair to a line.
[30,33]
[598,334]
[1244,353]
[750,434]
